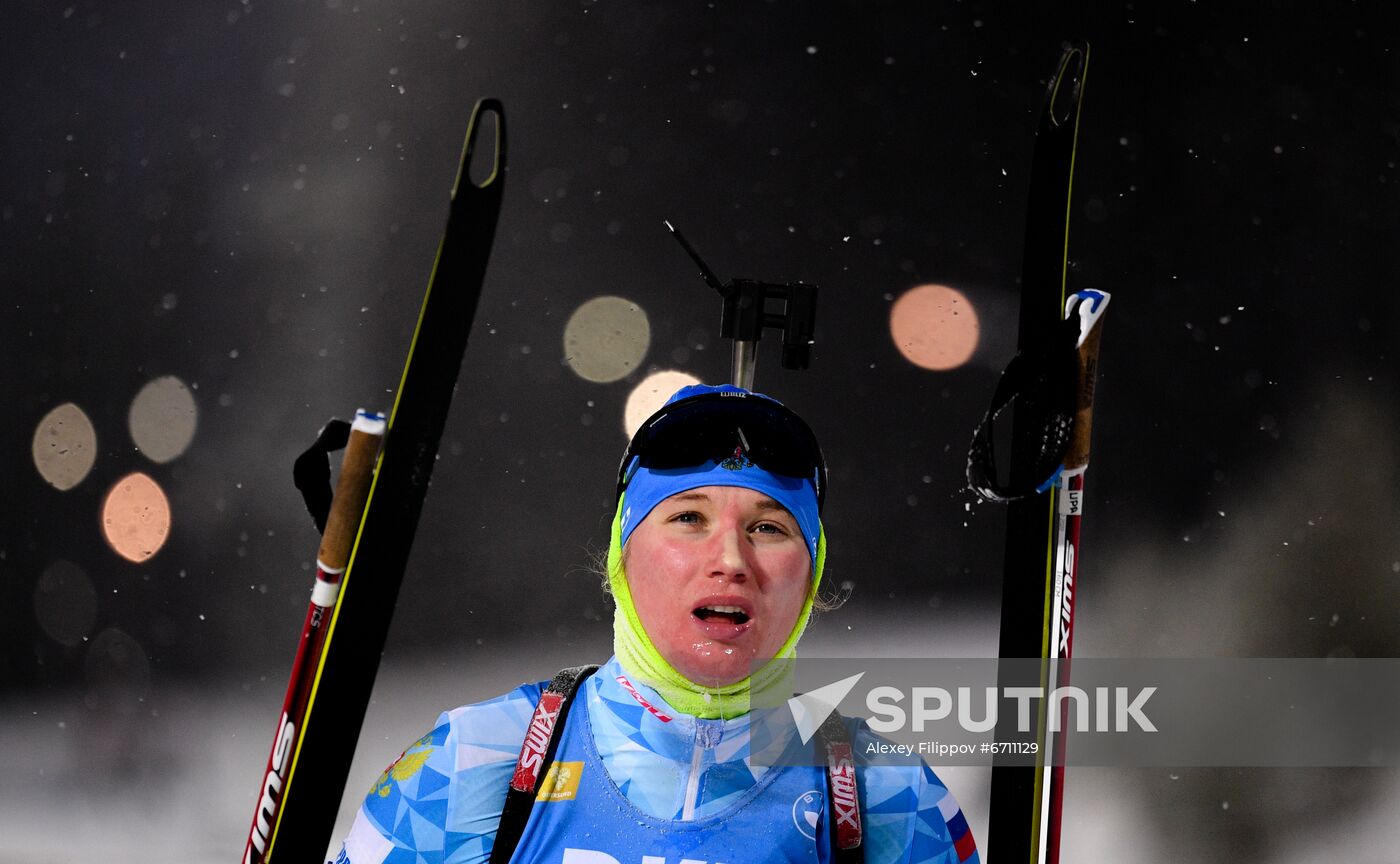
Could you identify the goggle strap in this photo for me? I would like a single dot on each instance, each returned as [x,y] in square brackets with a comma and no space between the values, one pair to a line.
[630,471]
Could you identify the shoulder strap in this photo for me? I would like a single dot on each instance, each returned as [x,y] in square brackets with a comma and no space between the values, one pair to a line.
[536,753]
[542,741]
[843,807]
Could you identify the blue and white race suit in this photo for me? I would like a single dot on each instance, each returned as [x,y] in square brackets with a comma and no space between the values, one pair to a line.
[636,782]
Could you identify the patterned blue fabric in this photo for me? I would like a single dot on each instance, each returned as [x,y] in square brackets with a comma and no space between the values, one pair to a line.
[639,773]
[580,817]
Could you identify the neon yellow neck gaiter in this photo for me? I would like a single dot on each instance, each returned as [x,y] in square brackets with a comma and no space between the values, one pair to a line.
[642,661]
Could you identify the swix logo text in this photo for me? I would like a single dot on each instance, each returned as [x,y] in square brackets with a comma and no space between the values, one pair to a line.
[527,768]
[272,786]
[843,795]
[1067,602]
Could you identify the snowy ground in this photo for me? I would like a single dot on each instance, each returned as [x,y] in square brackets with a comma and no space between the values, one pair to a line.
[189,773]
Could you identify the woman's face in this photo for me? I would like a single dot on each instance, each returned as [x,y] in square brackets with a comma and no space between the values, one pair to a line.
[718,576]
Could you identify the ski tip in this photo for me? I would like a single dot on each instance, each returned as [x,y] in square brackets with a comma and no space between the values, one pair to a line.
[484,107]
[1067,85]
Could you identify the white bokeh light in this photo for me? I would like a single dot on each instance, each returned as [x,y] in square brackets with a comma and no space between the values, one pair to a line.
[649,395]
[163,418]
[606,338]
[65,446]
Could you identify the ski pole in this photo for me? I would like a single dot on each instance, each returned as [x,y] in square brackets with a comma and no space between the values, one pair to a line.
[342,524]
[1088,307]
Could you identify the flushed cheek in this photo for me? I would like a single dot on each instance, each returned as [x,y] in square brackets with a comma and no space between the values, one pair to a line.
[659,598]
[667,562]
[784,602]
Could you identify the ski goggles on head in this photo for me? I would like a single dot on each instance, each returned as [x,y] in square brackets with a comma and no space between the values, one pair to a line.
[724,436]
[729,427]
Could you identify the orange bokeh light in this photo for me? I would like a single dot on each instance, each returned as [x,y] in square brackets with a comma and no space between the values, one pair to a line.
[934,327]
[136,517]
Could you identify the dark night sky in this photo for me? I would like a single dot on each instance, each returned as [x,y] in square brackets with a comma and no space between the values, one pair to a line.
[247,195]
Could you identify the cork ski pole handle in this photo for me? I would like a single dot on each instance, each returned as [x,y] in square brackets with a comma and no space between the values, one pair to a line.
[351,492]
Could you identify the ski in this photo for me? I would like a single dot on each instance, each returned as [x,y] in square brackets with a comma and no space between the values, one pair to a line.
[1050,381]
[318,754]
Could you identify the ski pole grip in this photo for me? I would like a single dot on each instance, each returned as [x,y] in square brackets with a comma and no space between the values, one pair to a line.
[351,491]
[1077,455]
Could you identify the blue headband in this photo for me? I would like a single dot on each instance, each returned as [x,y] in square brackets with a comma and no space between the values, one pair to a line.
[649,487]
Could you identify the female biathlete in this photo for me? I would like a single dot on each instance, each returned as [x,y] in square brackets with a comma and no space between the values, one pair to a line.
[716,553]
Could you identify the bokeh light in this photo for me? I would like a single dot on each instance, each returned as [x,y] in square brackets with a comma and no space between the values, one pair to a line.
[117,670]
[136,517]
[606,338]
[65,603]
[162,418]
[934,327]
[648,397]
[65,446]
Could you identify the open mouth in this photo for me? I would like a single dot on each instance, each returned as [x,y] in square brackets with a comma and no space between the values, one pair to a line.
[725,614]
